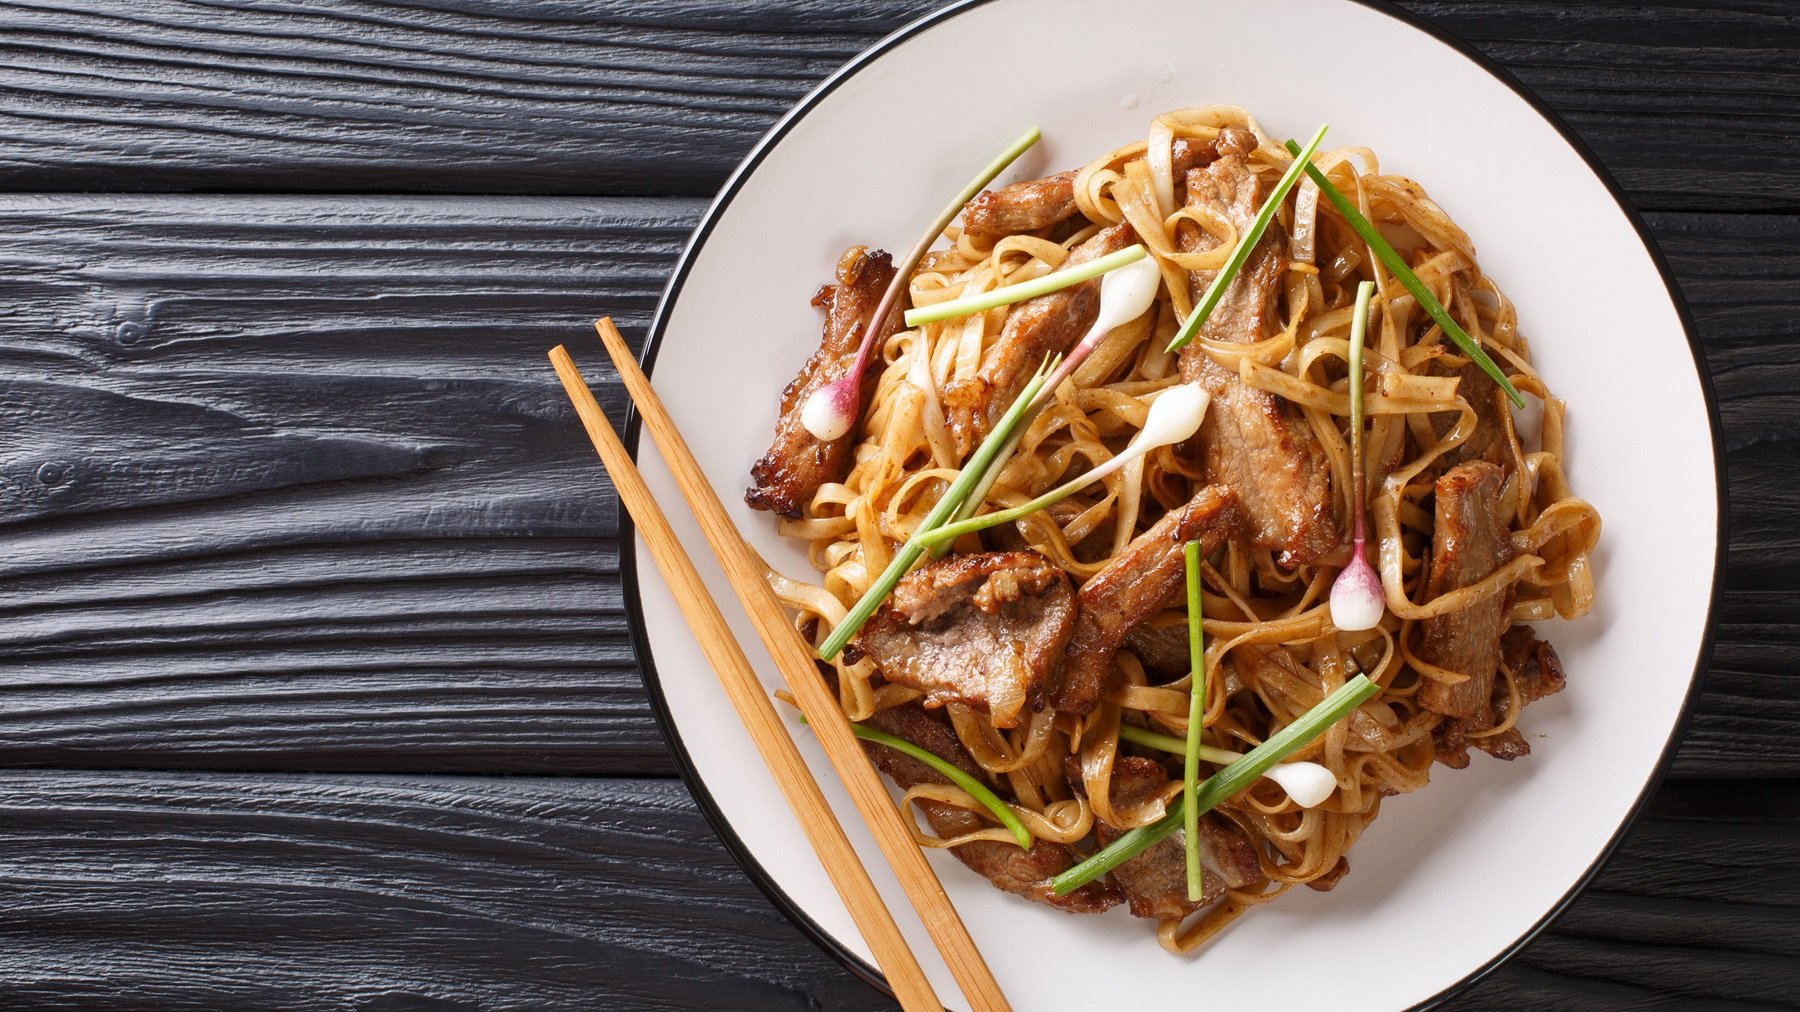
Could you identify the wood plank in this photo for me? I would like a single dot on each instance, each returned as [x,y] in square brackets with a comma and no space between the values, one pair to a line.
[287,483]
[253,892]
[1693,107]
[273,483]
[134,890]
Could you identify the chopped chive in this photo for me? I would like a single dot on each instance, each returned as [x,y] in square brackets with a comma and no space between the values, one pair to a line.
[1390,258]
[1175,746]
[976,789]
[1223,784]
[953,497]
[1052,282]
[1190,767]
[1246,243]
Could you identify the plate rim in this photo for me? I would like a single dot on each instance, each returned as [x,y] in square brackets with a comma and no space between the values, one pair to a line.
[628,569]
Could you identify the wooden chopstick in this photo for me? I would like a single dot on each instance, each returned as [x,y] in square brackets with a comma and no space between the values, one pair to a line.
[794,659]
[746,693]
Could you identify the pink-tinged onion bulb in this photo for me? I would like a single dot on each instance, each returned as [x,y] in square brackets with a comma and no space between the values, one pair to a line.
[1357,600]
[831,410]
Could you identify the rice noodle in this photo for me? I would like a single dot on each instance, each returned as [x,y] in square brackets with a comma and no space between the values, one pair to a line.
[1271,648]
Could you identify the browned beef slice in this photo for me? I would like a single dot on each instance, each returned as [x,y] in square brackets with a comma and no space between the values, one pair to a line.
[1021,207]
[1537,671]
[798,462]
[1253,441]
[1034,329]
[1488,441]
[983,630]
[1024,873]
[1468,543]
[1137,583]
[1155,881]
[1163,651]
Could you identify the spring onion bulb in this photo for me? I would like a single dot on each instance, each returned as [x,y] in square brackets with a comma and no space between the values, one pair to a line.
[1357,599]
[1125,295]
[1175,415]
[1246,243]
[1392,260]
[831,410]
[1223,784]
[1055,281]
[947,504]
[1307,783]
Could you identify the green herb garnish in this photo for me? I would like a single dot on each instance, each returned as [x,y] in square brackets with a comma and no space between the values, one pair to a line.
[966,480]
[1246,243]
[1391,259]
[976,789]
[1190,766]
[1053,282]
[1223,784]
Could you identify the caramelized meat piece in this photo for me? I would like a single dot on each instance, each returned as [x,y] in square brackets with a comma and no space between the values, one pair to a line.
[1537,672]
[1034,329]
[1468,543]
[1488,441]
[798,462]
[1252,440]
[1155,881]
[1024,873]
[1135,585]
[1021,207]
[1162,651]
[1188,154]
[983,630]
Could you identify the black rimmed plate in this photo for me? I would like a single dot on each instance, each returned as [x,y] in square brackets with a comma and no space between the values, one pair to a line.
[1457,875]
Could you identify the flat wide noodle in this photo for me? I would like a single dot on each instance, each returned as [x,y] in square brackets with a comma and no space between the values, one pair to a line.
[1272,652]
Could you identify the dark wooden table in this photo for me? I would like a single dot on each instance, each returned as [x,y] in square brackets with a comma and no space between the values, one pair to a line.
[315,689]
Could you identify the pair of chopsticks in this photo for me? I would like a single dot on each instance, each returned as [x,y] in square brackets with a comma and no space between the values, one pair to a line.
[745,691]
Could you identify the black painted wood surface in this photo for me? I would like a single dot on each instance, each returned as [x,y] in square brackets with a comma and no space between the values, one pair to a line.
[315,689]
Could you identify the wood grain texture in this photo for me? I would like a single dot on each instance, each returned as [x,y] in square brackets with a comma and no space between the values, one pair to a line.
[272,483]
[273,488]
[135,891]
[337,892]
[1692,106]
[272,499]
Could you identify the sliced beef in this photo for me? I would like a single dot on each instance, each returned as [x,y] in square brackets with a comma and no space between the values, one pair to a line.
[1537,672]
[1155,881]
[1139,582]
[1469,542]
[1488,441]
[1034,329]
[1021,207]
[1024,873]
[1163,651]
[983,630]
[798,462]
[1253,441]
[1189,153]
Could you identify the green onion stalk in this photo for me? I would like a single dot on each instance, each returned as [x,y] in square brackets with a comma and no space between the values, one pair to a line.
[1223,784]
[1246,243]
[832,409]
[1190,766]
[975,788]
[1392,260]
[953,497]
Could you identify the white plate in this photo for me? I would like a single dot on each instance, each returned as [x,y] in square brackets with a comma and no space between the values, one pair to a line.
[1457,875]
